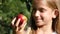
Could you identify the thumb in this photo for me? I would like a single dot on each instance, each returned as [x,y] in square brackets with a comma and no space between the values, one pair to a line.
[22,27]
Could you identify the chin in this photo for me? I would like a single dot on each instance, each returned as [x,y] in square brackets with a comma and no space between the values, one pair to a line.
[40,24]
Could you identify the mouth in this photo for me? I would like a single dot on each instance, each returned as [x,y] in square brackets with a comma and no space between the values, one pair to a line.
[38,20]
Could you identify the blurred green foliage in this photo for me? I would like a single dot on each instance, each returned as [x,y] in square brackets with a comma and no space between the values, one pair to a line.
[10,9]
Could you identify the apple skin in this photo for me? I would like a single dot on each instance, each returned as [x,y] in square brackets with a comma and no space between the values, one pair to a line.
[22,18]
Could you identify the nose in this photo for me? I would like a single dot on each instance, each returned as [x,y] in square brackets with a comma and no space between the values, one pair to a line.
[37,14]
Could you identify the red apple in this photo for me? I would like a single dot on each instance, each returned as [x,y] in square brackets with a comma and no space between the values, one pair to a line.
[22,18]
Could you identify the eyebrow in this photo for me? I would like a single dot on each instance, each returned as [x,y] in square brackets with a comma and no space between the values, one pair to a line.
[42,8]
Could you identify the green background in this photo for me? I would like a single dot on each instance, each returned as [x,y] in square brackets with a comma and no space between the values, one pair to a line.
[10,9]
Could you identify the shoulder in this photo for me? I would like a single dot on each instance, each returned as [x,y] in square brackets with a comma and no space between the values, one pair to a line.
[28,31]
[54,33]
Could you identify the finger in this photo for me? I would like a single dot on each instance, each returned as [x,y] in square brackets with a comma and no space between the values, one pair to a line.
[17,29]
[17,23]
[22,26]
[13,21]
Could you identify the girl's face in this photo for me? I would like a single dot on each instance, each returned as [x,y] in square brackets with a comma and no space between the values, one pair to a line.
[42,14]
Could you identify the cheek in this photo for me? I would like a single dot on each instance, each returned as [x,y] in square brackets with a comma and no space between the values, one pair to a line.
[47,16]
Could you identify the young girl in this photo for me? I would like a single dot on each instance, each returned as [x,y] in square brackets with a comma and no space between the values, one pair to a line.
[44,17]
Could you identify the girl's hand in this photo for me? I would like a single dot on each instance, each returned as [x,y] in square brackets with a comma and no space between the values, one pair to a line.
[16,26]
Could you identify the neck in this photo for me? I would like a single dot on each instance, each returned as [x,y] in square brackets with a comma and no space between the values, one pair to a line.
[46,29]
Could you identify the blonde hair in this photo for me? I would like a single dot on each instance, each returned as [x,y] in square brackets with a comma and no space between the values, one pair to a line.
[58,24]
[52,5]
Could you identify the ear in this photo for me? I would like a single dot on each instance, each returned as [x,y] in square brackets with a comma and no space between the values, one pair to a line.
[55,13]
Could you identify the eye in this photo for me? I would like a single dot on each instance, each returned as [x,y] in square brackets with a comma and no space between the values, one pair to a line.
[34,9]
[42,10]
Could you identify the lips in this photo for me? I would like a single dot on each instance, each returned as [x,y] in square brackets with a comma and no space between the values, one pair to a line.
[38,20]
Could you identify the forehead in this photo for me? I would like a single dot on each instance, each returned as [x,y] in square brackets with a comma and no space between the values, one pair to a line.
[38,3]
[49,3]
